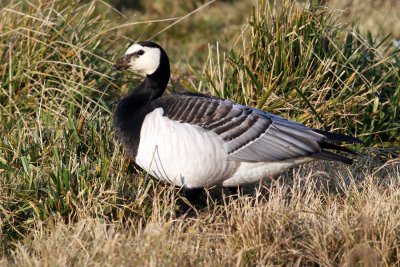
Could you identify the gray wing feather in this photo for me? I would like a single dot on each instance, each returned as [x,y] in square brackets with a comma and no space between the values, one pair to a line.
[249,134]
[280,142]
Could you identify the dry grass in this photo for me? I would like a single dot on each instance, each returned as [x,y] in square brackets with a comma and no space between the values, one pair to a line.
[378,17]
[334,216]
[70,197]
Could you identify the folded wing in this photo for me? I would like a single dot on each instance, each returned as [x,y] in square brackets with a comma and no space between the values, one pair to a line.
[250,134]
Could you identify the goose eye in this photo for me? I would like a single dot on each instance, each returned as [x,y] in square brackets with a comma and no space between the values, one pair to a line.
[140,52]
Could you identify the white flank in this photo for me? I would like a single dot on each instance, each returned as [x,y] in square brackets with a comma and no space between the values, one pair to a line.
[181,153]
[251,172]
[146,63]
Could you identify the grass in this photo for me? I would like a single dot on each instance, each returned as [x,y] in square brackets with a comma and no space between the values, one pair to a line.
[70,196]
[300,64]
[321,218]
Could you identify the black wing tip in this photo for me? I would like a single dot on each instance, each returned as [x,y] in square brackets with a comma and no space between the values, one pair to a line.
[336,137]
[325,145]
[327,155]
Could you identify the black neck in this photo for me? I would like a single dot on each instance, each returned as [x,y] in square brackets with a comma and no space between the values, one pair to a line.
[151,88]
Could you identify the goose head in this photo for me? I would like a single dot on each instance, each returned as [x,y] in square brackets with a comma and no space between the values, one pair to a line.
[143,57]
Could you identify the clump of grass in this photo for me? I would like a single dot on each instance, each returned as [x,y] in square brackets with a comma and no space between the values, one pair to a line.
[301,63]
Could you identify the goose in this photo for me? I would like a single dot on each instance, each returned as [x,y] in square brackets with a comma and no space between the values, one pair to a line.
[194,140]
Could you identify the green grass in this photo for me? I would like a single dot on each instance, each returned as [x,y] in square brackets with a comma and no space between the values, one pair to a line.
[301,64]
[70,196]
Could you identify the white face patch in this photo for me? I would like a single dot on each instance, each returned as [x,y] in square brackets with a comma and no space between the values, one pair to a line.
[146,63]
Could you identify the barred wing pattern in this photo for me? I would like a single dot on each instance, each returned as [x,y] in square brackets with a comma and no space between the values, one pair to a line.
[249,134]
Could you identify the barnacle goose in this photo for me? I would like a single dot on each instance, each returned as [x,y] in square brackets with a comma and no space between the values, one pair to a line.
[196,140]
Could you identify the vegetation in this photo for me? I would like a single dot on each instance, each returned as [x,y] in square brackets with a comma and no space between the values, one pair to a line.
[70,196]
[300,64]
